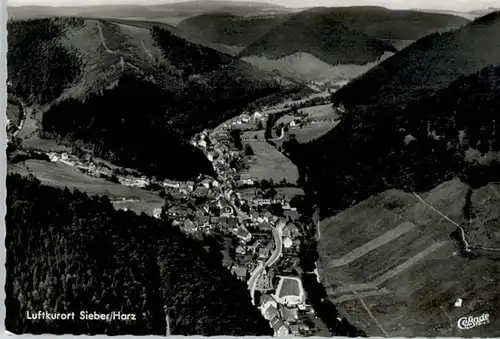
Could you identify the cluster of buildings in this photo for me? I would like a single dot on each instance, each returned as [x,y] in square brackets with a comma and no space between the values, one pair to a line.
[87,166]
[279,303]
[284,307]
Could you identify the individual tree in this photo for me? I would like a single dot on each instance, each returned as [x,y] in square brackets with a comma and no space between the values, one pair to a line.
[248,150]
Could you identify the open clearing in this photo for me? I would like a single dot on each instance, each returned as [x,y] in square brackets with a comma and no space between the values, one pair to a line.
[307,67]
[310,132]
[397,254]
[269,163]
[61,175]
[14,113]
[320,112]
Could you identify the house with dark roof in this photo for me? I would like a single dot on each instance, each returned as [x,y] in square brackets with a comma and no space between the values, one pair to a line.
[267,300]
[243,234]
[240,272]
[289,315]
[265,226]
[232,222]
[264,283]
[279,327]
[294,329]
[240,250]
[271,312]
[189,226]
[263,253]
[200,191]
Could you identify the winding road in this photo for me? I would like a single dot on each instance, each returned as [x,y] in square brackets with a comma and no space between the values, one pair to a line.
[278,250]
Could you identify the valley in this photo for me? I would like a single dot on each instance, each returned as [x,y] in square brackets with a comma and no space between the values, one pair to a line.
[333,171]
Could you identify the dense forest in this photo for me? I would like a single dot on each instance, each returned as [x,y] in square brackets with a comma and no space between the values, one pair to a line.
[38,66]
[427,65]
[189,57]
[415,148]
[319,35]
[69,252]
[384,23]
[133,125]
[229,29]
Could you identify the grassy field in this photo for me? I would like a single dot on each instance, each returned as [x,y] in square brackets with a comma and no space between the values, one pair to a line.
[45,145]
[311,131]
[320,112]
[289,192]
[409,276]
[14,113]
[400,44]
[306,67]
[61,175]
[269,163]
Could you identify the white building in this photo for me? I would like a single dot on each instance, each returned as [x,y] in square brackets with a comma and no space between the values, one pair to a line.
[287,243]
[53,157]
[257,115]
[157,213]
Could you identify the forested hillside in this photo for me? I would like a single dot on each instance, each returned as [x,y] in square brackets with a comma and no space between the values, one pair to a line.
[319,35]
[431,63]
[191,58]
[83,255]
[38,66]
[383,23]
[140,94]
[230,29]
[453,132]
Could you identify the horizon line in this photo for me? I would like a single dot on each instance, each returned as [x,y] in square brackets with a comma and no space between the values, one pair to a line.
[271,2]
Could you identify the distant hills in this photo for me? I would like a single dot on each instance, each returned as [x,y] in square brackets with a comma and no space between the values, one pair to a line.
[383,23]
[229,29]
[124,90]
[377,22]
[318,34]
[431,63]
[147,12]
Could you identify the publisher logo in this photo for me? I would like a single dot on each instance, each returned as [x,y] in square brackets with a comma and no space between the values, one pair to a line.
[466,323]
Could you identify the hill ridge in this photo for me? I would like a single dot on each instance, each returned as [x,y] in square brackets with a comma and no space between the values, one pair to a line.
[326,39]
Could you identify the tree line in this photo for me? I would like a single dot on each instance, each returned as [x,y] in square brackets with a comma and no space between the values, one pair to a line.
[70,252]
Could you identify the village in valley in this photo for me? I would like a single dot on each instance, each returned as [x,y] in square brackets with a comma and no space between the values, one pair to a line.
[255,217]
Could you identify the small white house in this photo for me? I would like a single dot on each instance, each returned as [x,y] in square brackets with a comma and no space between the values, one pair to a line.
[157,213]
[53,157]
[287,243]
[292,123]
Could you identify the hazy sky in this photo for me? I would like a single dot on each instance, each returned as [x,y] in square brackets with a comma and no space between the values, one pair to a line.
[461,5]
